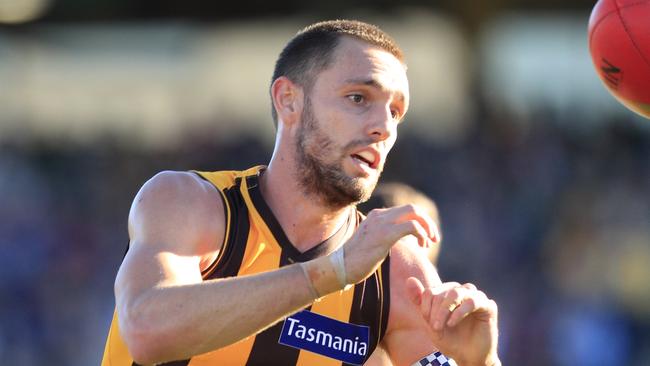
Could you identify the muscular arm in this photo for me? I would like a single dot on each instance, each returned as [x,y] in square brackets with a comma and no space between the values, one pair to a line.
[166,312]
[419,302]
[406,340]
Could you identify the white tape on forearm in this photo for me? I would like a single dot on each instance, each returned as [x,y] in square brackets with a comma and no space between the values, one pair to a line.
[338,262]
[313,290]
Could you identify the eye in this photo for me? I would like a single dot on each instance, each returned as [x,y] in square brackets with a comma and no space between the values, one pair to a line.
[356,98]
[397,114]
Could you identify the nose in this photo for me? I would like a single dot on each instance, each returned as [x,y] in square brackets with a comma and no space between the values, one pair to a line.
[381,125]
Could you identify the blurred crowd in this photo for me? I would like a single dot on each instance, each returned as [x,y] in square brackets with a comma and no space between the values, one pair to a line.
[553,222]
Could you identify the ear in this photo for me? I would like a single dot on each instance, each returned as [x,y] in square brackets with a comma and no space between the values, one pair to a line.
[287,100]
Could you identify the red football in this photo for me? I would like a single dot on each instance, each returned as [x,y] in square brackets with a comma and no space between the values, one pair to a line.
[619,43]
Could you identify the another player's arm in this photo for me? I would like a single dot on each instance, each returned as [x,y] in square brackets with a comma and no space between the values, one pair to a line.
[411,334]
[406,340]
[166,312]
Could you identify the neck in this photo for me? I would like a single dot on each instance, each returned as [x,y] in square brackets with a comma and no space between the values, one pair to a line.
[305,219]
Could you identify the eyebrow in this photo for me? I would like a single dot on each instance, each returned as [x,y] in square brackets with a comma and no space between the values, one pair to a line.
[376,84]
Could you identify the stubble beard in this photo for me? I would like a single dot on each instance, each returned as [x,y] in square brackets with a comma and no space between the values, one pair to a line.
[320,166]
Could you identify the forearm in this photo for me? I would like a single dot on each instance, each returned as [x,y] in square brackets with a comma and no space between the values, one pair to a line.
[179,321]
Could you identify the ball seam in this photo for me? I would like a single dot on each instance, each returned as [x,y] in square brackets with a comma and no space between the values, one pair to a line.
[606,15]
[636,47]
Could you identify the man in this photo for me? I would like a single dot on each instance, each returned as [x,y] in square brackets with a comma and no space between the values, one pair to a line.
[253,267]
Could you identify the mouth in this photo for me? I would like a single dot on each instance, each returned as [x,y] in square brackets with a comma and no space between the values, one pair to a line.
[368,157]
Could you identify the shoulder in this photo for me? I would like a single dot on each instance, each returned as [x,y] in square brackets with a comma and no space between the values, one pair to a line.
[177,208]
[171,192]
[177,183]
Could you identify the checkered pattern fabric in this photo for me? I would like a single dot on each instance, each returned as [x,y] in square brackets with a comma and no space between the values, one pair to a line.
[435,359]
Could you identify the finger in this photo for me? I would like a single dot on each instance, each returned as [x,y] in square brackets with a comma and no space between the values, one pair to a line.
[376,212]
[413,227]
[426,298]
[437,237]
[413,212]
[429,224]
[451,300]
[438,296]
[433,313]
[414,290]
[444,287]
[467,307]
[427,303]
[469,286]
[475,303]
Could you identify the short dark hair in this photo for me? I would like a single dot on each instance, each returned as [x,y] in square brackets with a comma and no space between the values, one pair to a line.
[312,49]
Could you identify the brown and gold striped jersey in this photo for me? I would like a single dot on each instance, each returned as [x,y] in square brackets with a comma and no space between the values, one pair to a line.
[255,243]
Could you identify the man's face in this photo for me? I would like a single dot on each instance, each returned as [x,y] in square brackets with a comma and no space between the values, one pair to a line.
[349,123]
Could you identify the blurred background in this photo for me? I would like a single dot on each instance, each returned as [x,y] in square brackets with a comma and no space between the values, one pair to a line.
[542,179]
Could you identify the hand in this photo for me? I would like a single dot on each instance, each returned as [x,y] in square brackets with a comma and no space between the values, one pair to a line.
[379,232]
[463,320]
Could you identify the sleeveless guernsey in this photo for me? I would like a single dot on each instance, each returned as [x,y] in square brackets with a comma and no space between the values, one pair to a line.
[254,243]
